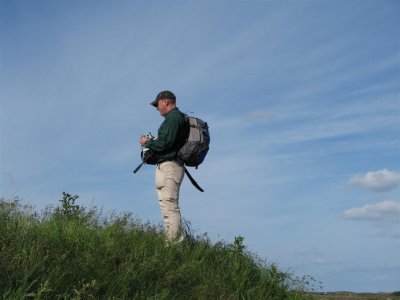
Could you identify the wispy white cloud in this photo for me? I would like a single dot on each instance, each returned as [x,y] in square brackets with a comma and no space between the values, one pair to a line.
[380,181]
[387,212]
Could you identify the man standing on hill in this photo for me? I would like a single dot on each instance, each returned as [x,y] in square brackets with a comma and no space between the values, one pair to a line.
[169,172]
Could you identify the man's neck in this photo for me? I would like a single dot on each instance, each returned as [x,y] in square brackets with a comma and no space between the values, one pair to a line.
[171,109]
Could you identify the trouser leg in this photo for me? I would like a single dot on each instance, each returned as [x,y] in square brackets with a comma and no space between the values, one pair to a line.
[169,177]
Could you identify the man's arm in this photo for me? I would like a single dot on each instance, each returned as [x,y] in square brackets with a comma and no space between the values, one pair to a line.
[166,138]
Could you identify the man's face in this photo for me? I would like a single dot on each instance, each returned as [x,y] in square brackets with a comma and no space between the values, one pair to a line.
[162,107]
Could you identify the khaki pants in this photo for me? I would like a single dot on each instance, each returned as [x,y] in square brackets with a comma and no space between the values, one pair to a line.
[169,176]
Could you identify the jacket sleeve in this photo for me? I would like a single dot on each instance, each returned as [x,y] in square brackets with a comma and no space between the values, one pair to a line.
[167,134]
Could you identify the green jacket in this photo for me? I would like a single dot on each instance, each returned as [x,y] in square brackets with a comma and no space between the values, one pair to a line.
[171,136]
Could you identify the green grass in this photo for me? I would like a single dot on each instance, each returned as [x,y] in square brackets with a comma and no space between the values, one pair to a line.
[71,252]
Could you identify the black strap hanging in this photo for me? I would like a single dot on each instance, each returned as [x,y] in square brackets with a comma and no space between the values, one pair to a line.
[193,181]
[138,167]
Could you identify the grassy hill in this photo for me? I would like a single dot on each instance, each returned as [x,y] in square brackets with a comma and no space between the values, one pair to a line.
[71,252]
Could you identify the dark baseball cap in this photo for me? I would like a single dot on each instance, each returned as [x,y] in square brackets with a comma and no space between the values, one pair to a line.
[163,95]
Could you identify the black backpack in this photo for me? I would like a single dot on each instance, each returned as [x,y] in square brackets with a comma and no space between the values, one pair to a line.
[197,143]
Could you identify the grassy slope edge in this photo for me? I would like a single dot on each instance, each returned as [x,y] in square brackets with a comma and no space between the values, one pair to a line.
[70,252]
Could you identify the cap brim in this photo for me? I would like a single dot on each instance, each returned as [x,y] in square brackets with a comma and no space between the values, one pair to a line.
[154,103]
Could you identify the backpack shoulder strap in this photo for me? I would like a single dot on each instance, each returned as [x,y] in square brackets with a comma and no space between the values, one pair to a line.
[193,181]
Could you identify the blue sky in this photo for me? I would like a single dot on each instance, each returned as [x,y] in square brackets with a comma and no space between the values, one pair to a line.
[302,100]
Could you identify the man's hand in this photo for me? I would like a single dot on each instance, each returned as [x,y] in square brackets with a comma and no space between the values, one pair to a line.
[143,140]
